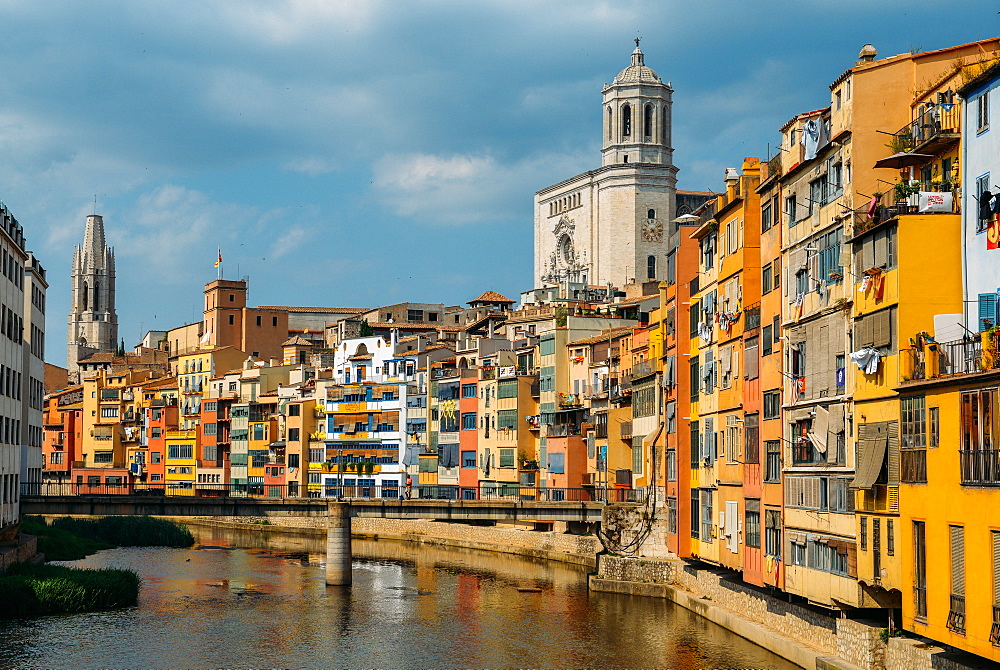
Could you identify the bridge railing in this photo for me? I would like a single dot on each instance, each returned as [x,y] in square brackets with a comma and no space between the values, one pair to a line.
[490,492]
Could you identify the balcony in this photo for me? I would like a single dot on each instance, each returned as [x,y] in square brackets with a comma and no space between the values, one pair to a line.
[562,430]
[488,373]
[980,466]
[570,401]
[967,356]
[441,373]
[880,498]
[930,132]
[774,166]
[625,430]
[643,369]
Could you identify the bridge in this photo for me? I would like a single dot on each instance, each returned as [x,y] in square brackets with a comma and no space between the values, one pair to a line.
[337,513]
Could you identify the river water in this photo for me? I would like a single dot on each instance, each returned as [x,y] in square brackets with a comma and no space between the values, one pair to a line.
[241,599]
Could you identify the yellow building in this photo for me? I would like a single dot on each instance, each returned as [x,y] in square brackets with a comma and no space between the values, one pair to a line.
[194,372]
[180,461]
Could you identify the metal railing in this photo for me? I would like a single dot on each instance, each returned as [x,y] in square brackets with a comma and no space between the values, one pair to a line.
[562,430]
[961,357]
[956,613]
[348,491]
[642,369]
[980,466]
[935,123]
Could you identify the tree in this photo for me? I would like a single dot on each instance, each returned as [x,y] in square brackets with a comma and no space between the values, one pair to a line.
[365,330]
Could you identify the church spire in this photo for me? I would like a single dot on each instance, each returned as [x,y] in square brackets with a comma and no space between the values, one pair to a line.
[93,321]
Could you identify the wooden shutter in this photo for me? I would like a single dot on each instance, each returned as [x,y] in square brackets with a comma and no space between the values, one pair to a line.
[892,453]
[996,567]
[957,560]
[864,334]
[882,328]
[987,309]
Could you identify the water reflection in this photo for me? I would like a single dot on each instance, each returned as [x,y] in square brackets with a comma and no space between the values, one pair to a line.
[260,600]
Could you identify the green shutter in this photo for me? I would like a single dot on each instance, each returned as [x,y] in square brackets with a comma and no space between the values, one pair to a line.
[987,309]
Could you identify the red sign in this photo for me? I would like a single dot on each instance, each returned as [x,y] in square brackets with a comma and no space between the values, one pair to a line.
[993,234]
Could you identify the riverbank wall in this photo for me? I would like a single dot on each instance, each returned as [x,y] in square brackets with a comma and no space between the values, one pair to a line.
[22,552]
[807,636]
[552,546]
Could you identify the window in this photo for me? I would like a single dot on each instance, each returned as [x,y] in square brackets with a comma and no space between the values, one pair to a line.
[695,377]
[695,438]
[672,516]
[980,433]
[864,533]
[651,267]
[232,319]
[913,454]
[987,304]
[983,112]
[414,315]
[507,419]
[875,250]
[752,536]
[468,390]
[816,199]
[180,451]
[830,270]
[708,246]
[507,458]
[934,427]
[671,465]
[995,629]
[890,537]
[790,210]
[109,412]
[751,438]
[875,330]
[772,404]
[211,428]
[765,279]
[556,463]
[919,570]
[317,455]
[776,273]
[797,555]
[840,372]
[751,362]
[772,467]
[506,389]
[626,121]
[103,456]
[647,123]
[802,282]
[468,459]
[766,218]
[695,513]
[984,205]
[772,532]
[293,434]
[766,340]
[956,609]
[638,456]
[651,214]
[259,318]
[707,534]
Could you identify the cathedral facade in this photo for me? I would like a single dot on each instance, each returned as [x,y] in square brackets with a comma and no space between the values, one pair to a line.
[607,226]
[93,322]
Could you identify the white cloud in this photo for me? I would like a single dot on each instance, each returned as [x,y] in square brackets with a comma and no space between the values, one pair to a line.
[459,188]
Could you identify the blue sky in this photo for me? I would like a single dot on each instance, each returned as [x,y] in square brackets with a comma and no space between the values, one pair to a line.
[363,153]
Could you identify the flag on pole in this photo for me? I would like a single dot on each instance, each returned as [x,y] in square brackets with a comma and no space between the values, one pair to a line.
[218,262]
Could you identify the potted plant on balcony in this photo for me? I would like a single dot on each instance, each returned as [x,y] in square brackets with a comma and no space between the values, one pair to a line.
[369,467]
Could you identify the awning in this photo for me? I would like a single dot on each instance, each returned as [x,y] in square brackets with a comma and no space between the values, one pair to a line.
[903,159]
[872,447]
[820,425]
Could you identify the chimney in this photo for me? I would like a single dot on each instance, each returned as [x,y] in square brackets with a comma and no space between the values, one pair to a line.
[867,54]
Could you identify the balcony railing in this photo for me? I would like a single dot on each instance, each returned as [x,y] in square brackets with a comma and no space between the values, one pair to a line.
[931,130]
[562,430]
[956,613]
[995,629]
[642,369]
[980,466]
[625,430]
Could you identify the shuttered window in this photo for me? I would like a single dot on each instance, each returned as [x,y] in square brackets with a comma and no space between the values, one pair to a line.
[987,310]
[995,536]
[750,360]
[957,559]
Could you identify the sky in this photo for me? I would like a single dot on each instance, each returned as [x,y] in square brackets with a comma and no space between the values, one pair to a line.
[361,153]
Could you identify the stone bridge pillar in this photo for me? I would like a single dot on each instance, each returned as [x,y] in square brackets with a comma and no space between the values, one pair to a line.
[338,544]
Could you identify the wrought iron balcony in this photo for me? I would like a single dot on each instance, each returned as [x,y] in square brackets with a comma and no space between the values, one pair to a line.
[980,466]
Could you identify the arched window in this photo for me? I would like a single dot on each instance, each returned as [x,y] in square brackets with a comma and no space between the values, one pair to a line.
[97,296]
[611,125]
[663,127]
[651,267]
[647,122]
[626,120]
[651,214]
[86,295]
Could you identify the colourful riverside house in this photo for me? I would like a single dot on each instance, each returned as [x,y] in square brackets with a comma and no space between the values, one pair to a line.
[704,379]
[181,462]
[162,414]
[948,538]
[738,215]
[302,416]
[675,304]
[213,462]
[763,369]
[61,423]
[261,431]
[364,439]
[467,455]
[194,372]
[506,442]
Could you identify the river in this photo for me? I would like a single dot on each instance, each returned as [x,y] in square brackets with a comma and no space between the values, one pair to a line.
[253,600]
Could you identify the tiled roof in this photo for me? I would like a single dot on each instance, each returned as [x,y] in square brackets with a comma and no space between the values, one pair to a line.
[492,296]
[296,341]
[316,310]
[611,333]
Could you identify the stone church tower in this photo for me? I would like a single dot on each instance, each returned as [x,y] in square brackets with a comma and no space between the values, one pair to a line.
[93,322]
[607,226]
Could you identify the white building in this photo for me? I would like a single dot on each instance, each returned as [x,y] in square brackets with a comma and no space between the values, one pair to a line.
[22,352]
[981,174]
[606,226]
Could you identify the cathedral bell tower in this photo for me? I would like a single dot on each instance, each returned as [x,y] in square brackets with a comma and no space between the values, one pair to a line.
[637,116]
[93,322]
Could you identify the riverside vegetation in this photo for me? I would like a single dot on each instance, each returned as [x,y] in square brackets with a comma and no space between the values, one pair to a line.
[32,590]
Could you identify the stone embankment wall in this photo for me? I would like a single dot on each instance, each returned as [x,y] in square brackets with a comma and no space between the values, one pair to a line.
[576,549]
[23,551]
[809,637]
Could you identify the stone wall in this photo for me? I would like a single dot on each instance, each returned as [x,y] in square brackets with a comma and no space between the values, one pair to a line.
[24,551]
[577,549]
[918,654]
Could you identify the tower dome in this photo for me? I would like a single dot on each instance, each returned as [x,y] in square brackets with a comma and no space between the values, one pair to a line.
[637,72]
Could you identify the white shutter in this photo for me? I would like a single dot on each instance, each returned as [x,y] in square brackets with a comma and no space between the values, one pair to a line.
[732,521]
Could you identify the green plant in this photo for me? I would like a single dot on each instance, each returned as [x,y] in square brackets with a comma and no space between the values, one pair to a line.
[904,189]
[30,590]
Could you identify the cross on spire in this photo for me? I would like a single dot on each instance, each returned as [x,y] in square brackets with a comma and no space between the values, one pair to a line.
[637,42]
